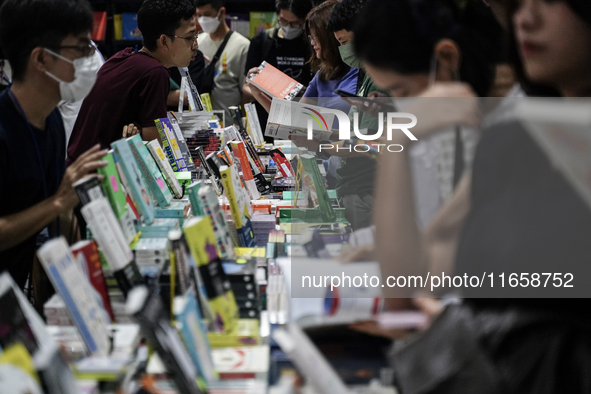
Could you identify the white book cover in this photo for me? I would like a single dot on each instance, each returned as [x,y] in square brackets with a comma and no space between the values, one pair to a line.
[254,124]
[288,119]
[164,166]
[74,288]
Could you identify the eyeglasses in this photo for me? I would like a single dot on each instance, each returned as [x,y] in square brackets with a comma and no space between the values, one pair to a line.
[84,50]
[285,22]
[312,40]
[192,39]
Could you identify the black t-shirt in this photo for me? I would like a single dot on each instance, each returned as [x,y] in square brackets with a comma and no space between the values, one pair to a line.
[22,176]
[196,68]
[289,56]
[525,217]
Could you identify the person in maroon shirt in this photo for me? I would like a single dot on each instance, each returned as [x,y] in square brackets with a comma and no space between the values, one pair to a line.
[132,86]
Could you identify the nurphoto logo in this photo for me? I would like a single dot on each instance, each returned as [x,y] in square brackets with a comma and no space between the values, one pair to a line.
[392,123]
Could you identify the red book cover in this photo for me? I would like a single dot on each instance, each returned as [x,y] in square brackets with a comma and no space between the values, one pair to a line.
[99,28]
[88,251]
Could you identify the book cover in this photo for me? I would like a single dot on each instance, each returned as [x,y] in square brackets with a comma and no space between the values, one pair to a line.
[86,252]
[69,282]
[148,310]
[88,189]
[170,145]
[261,21]
[250,362]
[99,26]
[211,209]
[194,335]
[193,193]
[18,374]
[238,206]
[112,187]
[181,142]
[311,167]
[195,104]
[133,209]
[13,322]
[129,29]
[256,132]
[239,152]
[274,82]
[162,163]
[290,118]
[202,244]
[117,27]
[150,171]
[135,181]
[176,209]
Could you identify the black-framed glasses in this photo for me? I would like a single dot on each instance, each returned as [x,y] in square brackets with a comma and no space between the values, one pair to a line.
[285,22]
[84,50]
[192,39]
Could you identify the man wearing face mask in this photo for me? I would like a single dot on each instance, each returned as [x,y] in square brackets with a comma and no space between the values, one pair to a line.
[229,67]
[133,85]
[284,46]
[50,63]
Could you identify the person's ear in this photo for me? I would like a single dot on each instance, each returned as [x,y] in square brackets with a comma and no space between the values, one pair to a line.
[38,59]
[163,41]
[222,14]
[448,56]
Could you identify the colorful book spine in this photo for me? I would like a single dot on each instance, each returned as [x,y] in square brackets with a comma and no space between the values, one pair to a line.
[202,244]
[88,257]
[164,165]
[88,189]
[135,181]
[194,335]
[70,284]
[211,207]
[170,145]
[116,195]
[150,171]
[181,142]
[238,206]
[311,167]
[240,153]
[193,193]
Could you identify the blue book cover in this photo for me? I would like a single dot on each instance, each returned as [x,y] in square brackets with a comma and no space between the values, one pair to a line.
[193,333]
[135,181]
[129,26]
[150,171]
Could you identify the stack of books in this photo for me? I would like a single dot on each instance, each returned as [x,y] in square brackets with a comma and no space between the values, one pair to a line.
[262,225]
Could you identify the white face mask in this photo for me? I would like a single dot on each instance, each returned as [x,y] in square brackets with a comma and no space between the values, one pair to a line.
[209,24]
[85,70]
[291,32]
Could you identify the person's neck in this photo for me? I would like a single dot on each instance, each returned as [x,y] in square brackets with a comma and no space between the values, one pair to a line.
[36,100]
[220,32]
[580,87]
[156,56]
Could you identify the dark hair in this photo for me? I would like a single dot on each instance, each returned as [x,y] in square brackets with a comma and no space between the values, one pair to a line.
[215,4]
[157,17]
[299,8]
[343,15]
[401,35]
[332,65]
[582,8]
[28,24]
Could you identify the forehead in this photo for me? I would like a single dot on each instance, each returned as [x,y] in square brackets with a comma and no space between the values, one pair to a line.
[288,16]
[77,39]
[206,10]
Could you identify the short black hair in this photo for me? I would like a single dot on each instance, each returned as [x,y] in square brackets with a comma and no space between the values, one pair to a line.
[299,8]
[215,4]
[343,15]
[157,17]
[28,24]
[401,35]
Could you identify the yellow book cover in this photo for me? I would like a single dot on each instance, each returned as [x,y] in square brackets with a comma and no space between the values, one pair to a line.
[117,27]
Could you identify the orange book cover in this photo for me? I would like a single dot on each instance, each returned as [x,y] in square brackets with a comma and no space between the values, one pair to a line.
[99,28]
[275,83]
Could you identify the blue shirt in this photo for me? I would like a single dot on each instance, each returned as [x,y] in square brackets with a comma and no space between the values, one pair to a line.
[22,175]
[325,90]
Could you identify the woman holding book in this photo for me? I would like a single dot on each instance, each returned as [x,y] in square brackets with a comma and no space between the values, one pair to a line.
[522,215]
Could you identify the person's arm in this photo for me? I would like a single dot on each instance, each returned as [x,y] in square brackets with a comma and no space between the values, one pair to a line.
[16,228]
[151,133]
[152,102]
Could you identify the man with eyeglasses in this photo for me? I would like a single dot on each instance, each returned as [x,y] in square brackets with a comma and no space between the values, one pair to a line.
[51,62]
[229,69]
[133,85]
[283,46]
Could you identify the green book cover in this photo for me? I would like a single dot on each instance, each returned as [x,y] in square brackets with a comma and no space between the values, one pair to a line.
[260,21]
[311,167]
[115,193]
[150,171]
[193,193]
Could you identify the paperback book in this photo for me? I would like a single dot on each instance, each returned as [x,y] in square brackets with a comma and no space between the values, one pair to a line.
[275,83]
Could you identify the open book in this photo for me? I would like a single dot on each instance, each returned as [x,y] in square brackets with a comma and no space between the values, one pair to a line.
[275,83]
[288,119]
